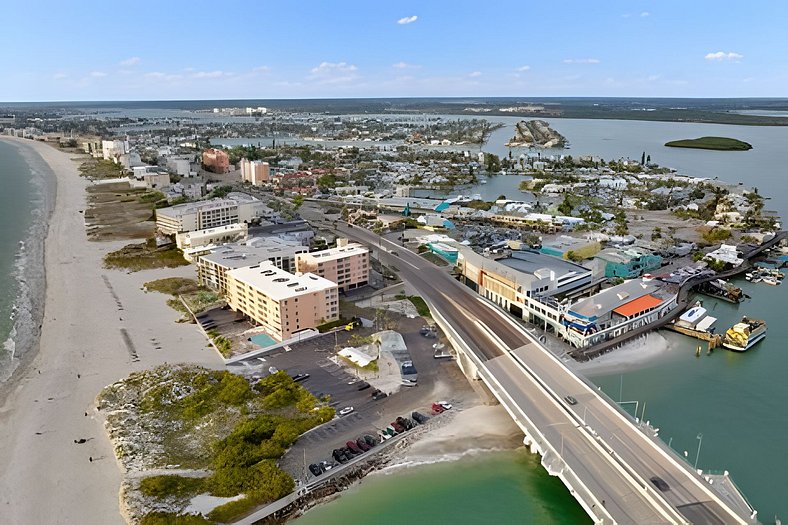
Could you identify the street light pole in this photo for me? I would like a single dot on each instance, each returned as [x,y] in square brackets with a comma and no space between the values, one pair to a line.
[697,455]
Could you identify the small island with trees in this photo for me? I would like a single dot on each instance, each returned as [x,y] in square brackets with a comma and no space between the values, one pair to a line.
[715,143]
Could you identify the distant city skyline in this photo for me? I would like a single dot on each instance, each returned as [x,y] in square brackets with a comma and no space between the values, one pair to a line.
[316,49]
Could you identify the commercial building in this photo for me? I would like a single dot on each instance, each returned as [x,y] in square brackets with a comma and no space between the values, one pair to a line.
[255,172]
[179,165]
[726,254]
[113,149]
[563,246]
[347,264]
[212,267]
[156,180]
[281,302]
[202,215]
[216,160]
[627,263]
[194,239]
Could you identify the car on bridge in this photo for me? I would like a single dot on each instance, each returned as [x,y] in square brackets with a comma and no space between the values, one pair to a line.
[660,483]
[571,400]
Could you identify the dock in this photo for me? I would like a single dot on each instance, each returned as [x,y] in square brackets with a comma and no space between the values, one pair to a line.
[714,340]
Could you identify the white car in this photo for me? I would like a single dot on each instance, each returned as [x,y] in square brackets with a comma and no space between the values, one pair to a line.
[345,411]
[445,404]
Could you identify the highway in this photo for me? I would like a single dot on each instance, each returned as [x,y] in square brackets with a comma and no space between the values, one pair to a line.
[610,455]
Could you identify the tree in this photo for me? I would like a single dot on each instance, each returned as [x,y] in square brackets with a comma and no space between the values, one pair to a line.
[501,197]
[298,200]
[648,159]
[643,158]
[565,208]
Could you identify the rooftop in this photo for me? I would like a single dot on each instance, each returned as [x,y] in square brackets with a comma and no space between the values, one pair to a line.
[641,304]
[253,251]
[608,300]
[338,253]
[233,199]
[279,284]
[531,262]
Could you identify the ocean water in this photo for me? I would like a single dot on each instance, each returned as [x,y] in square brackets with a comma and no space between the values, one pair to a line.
[26,198]
[504,488]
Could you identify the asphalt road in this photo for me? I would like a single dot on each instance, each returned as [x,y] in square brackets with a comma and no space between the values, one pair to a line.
[539,382]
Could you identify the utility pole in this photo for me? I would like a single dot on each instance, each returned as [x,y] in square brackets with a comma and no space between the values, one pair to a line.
[697,455]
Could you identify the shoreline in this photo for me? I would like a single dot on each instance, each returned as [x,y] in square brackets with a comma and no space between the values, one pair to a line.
[50,401]
[29,304]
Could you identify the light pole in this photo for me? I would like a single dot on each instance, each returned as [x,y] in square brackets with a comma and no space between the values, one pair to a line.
[699,437]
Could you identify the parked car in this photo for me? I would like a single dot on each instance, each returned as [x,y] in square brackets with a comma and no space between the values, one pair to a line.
[438,409]
[327,465]
[339,456]
[378,394]
[300,377]
[345,411]
[384,436]
[399,428]
[315,469]
[348,453]
[352,445]
[362,444]
[371,441]
[405,422]
[391,431]
[419,417]
[445,404]
[363,386]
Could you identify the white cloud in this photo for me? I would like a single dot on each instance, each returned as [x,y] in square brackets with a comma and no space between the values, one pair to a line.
[475,74]
[581,61]
[97,74]
[523,69]
[59,76]
[328,68]
[262,69]
[404,65]
[407,20]
[722,55]
[644,14]
[211,74]
[131,61]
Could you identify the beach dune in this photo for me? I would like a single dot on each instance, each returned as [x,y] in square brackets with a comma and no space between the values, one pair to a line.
[98,327]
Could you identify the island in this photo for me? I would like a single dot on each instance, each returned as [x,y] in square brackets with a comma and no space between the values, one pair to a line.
[716,143]
[536,133]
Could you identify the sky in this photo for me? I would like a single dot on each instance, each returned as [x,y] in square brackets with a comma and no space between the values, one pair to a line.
[238,49]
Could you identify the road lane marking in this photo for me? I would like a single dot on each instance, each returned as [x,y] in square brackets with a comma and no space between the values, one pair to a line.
[493,336]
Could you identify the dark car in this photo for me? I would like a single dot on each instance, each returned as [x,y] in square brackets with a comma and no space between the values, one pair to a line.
[339,456]
[377,394]
[354,447]
[315,469]
[571,400]
[660,483]
[362,444]
[396,426]
[371,441]
[363,386]
[405,422]
[419,417]
[300,377]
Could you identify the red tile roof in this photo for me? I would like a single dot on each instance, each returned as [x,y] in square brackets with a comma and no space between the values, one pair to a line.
[637,306]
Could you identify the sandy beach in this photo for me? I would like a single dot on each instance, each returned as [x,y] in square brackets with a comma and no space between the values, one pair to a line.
[45,477]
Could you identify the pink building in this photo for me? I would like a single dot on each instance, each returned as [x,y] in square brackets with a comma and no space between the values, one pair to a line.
[216,160]
[347,264]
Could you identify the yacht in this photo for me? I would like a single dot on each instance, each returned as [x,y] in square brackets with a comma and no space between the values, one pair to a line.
[742,336]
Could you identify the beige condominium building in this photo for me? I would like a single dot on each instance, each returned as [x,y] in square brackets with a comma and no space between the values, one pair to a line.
[347,264]
[256,172]
[202,215]
[212,267]
[281,302]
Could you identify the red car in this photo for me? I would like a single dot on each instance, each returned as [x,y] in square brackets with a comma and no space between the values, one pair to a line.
[438,409]
[353,446]
[396,426]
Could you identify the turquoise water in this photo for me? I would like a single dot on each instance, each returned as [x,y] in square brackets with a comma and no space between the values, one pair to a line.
[263,340]
[16,216]
[499,488]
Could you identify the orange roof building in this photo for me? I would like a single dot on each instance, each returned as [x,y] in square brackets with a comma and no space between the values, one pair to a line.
[638,306]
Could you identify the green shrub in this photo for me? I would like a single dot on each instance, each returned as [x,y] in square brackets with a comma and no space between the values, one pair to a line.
[421,305]
[171,485]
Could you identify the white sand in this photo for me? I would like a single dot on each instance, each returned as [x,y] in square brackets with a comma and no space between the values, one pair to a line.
[46,477]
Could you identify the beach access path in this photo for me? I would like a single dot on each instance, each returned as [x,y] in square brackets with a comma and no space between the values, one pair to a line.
[98,327]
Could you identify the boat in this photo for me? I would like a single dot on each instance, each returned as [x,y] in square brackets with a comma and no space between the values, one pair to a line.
[771,280]
[743,335]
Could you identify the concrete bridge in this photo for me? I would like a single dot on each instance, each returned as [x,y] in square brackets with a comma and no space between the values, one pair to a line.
[607,460]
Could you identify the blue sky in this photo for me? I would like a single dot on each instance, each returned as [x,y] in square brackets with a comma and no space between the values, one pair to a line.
[174,49]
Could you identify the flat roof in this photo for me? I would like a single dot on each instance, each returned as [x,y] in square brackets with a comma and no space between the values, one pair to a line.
[641,304]
[608,300]
[530,262]
[338,253]
[252,252]
[279,284]
[233,199]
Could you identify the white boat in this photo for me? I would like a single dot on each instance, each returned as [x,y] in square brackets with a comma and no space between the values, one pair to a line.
[771,280]
[742,336]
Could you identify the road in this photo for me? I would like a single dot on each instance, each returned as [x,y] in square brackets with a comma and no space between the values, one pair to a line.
[609,453]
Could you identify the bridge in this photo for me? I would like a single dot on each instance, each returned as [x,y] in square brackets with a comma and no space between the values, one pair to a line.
[606,459]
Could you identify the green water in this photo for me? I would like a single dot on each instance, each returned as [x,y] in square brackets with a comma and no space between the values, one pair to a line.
[737,401]
[499,487]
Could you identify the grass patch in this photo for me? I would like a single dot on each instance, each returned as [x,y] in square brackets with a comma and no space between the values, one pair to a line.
[437,260]
[224,345]
[100,169]
[242,431]
[421,306]
[325,327]
[173,285]
[713,143]
[145,256]
[197,297]
[153,197]
[165,486]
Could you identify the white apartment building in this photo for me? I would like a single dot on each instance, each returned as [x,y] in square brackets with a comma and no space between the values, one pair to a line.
[202,215]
